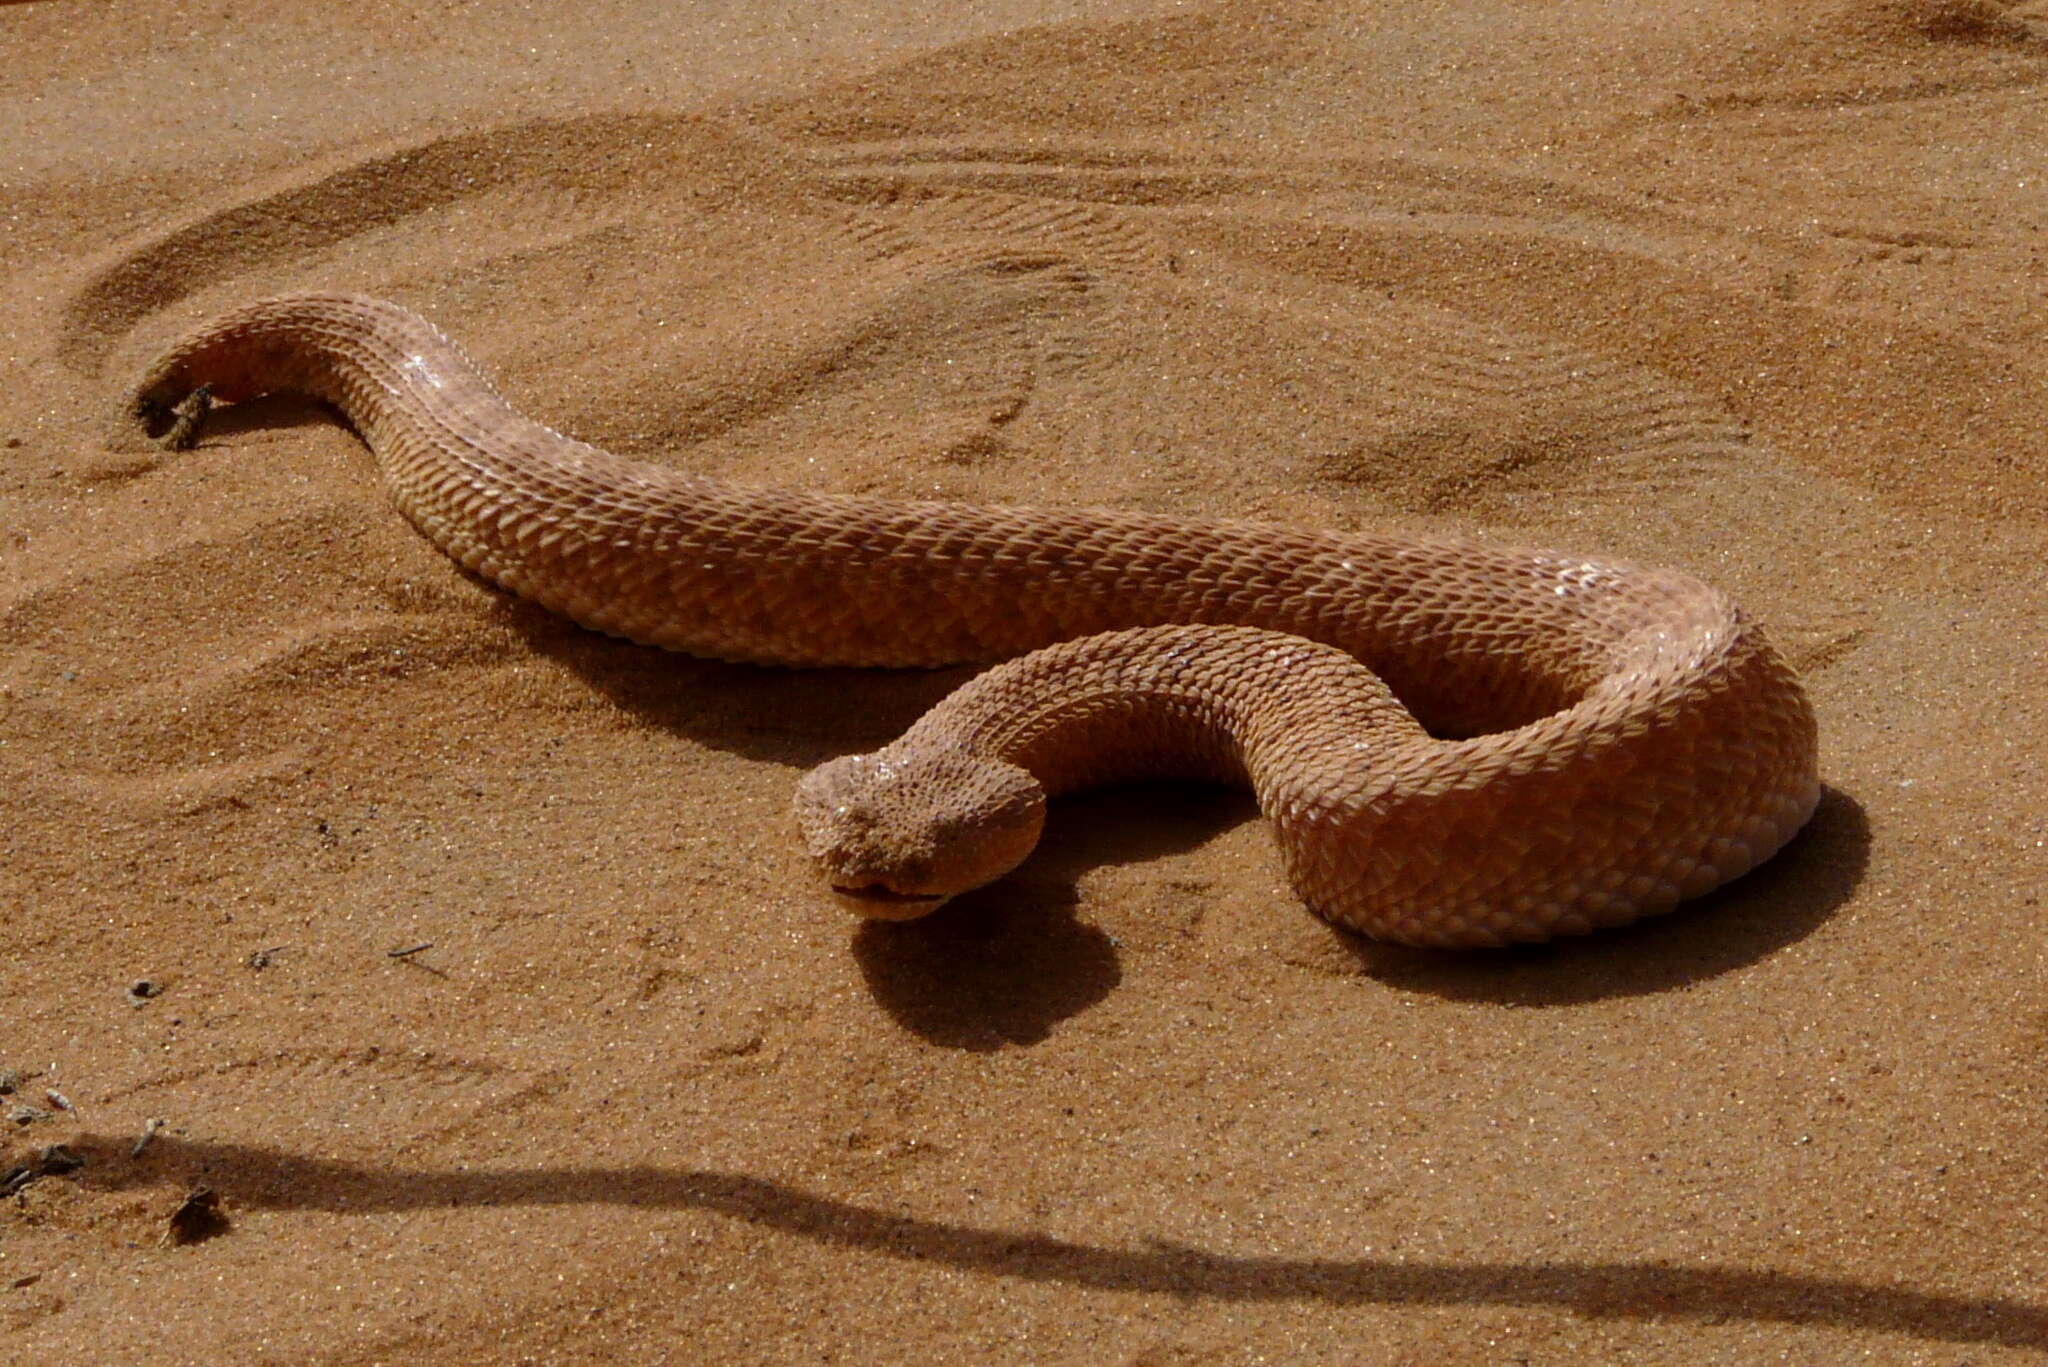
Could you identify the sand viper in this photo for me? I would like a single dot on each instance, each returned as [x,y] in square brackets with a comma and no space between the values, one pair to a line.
[1457,744]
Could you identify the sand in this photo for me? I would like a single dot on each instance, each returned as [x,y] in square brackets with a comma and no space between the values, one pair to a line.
[490,1001]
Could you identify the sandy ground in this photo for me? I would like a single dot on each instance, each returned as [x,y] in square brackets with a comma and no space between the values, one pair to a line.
[1756,289]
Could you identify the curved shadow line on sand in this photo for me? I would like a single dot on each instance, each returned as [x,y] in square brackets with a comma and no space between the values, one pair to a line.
[250,1176]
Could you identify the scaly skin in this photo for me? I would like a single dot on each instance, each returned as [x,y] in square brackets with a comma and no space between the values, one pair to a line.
[1616,738]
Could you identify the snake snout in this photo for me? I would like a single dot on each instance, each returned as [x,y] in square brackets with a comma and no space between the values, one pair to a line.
[895,834]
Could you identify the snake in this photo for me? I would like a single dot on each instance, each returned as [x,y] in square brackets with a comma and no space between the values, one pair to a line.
[1455,743]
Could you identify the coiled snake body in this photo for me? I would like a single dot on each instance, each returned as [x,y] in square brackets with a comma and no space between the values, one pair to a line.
[1457,744]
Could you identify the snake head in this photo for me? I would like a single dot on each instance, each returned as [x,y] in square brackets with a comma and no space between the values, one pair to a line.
[895,833]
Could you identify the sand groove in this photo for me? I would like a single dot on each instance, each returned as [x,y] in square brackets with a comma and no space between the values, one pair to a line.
[307,213]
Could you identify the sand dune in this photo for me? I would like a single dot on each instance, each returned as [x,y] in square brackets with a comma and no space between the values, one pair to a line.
[1756,290]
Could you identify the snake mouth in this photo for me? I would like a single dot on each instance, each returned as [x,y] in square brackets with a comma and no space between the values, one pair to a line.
[886,904]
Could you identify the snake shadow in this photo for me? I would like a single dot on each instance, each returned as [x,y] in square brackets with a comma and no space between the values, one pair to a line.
[249,1176]
[999,967]
[1004,965]
[774,714]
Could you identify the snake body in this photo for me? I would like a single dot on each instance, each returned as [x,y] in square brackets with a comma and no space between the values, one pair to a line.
[1457,744]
